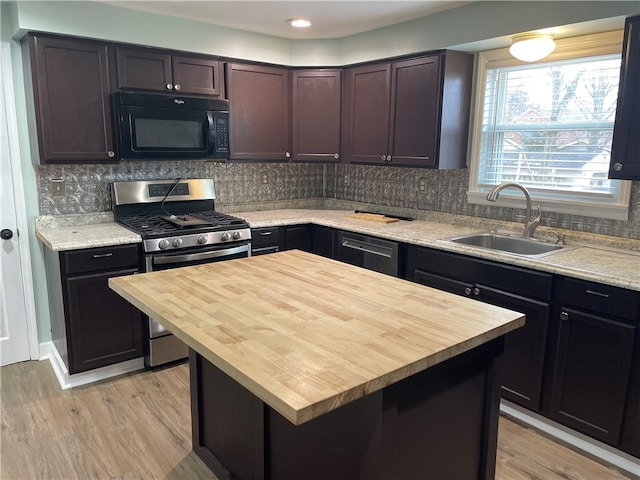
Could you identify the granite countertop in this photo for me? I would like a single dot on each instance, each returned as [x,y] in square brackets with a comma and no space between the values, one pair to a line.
[307,334]
[607,260]
[73,232]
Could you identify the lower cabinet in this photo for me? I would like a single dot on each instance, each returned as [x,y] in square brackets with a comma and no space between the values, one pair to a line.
[324,241]
[92,326]
[594,331]
[265,240]
[518,289]
[297,237]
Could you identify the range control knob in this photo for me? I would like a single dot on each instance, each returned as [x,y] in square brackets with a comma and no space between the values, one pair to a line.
[237,235]
[225,237]
[162,244]
[177,242]
[202,239]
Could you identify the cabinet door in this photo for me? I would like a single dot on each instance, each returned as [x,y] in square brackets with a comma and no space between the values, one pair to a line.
[521,365]
[201,76]
[297,237]
[366,115]
[324,239]
[625,150]
[103,328]
[316,114]
[259,112]
[71,99]
[413,132]
[144,69]
[591,373]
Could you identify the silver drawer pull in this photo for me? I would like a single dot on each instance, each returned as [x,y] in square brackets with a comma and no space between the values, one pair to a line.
[368,248]
[598,294]
[265,234]
[103,255]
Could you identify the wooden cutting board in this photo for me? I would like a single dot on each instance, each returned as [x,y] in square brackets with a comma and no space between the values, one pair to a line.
[373,217]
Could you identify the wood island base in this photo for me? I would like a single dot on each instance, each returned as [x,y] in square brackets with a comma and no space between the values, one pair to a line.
[438,423]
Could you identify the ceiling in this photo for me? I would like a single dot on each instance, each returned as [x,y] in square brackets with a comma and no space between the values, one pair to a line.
[330,18]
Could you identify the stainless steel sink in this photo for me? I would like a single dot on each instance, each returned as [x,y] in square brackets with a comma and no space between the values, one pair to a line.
[527,247]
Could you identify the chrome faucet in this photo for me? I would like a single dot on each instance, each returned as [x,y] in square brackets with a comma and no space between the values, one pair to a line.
[530,224]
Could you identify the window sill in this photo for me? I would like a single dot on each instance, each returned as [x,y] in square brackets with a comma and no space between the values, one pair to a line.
[598,210]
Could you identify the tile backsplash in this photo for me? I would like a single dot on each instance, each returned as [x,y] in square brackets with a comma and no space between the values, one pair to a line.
[86,189]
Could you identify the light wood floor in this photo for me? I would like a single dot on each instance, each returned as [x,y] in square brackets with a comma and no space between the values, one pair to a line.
[138,427]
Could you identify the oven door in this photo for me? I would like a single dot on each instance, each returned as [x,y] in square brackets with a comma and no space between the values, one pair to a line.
[162,346]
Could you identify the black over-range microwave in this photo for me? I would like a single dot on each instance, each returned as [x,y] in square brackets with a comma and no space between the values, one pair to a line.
[160,127]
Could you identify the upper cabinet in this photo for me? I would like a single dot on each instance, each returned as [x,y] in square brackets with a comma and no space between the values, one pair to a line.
[316,105]
[281,114]
[625,150]
[159,70]
[259,112]
[69,79]
[409,113]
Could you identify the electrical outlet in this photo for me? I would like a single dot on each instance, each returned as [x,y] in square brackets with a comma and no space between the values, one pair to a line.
[422,185]
[265,178]
[57,188]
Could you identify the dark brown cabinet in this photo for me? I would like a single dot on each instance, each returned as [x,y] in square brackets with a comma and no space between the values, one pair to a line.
[265,240]
[518,289]
[324,241]
[397,113]
[92,326]
[259,112]
[297,237]
[159,70]
[625,150]
[68,84]
[595,331]
[316,106]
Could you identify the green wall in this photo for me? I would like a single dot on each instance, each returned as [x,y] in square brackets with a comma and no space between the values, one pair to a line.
[475,22]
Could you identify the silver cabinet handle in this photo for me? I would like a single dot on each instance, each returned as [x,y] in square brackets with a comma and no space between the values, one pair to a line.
[467,291]
[111,154]
[265,234]
[355,245]
[564,316]
[598,294]
[383,158]
[176,86]
[287,154]
[389,158]
[476,291]
[169,86]
[103,255]
[617,167]
[336,156]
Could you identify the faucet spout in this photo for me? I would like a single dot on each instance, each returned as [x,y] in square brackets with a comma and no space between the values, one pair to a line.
[530,224]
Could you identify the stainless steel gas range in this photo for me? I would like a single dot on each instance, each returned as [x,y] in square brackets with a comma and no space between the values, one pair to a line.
[179,227]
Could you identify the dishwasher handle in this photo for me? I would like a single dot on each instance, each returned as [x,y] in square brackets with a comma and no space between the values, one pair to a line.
[367,247]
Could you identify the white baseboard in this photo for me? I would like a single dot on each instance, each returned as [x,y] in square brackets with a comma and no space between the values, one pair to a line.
[597,449]
[50,352]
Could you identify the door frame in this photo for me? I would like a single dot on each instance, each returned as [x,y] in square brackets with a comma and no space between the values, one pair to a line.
[19,198]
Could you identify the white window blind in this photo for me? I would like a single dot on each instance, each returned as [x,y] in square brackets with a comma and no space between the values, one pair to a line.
[548,125]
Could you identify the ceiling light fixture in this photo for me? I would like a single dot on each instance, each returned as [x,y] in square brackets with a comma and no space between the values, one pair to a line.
[299,23]
[530,47]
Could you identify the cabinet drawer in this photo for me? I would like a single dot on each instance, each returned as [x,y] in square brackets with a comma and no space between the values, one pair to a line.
[96,259]
[601,298]
[264,237]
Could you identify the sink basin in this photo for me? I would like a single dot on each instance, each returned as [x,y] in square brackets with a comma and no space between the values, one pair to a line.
[527,247]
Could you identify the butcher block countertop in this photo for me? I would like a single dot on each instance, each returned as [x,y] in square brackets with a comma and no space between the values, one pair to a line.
[307,334]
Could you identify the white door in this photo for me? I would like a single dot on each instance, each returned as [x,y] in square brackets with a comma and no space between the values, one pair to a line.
[14,331]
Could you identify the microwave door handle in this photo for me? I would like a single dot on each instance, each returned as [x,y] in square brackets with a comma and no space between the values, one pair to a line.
[211,122]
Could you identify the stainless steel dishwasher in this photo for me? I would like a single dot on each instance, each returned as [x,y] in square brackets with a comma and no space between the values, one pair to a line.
[368,252]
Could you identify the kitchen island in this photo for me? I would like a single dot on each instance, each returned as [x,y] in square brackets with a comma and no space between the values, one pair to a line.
[305,367]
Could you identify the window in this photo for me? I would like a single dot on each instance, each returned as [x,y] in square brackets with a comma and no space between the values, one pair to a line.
[549,125]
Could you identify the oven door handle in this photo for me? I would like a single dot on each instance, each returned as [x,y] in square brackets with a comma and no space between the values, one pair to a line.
[190,257]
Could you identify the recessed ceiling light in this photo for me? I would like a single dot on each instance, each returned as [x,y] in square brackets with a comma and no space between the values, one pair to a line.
[299,22]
